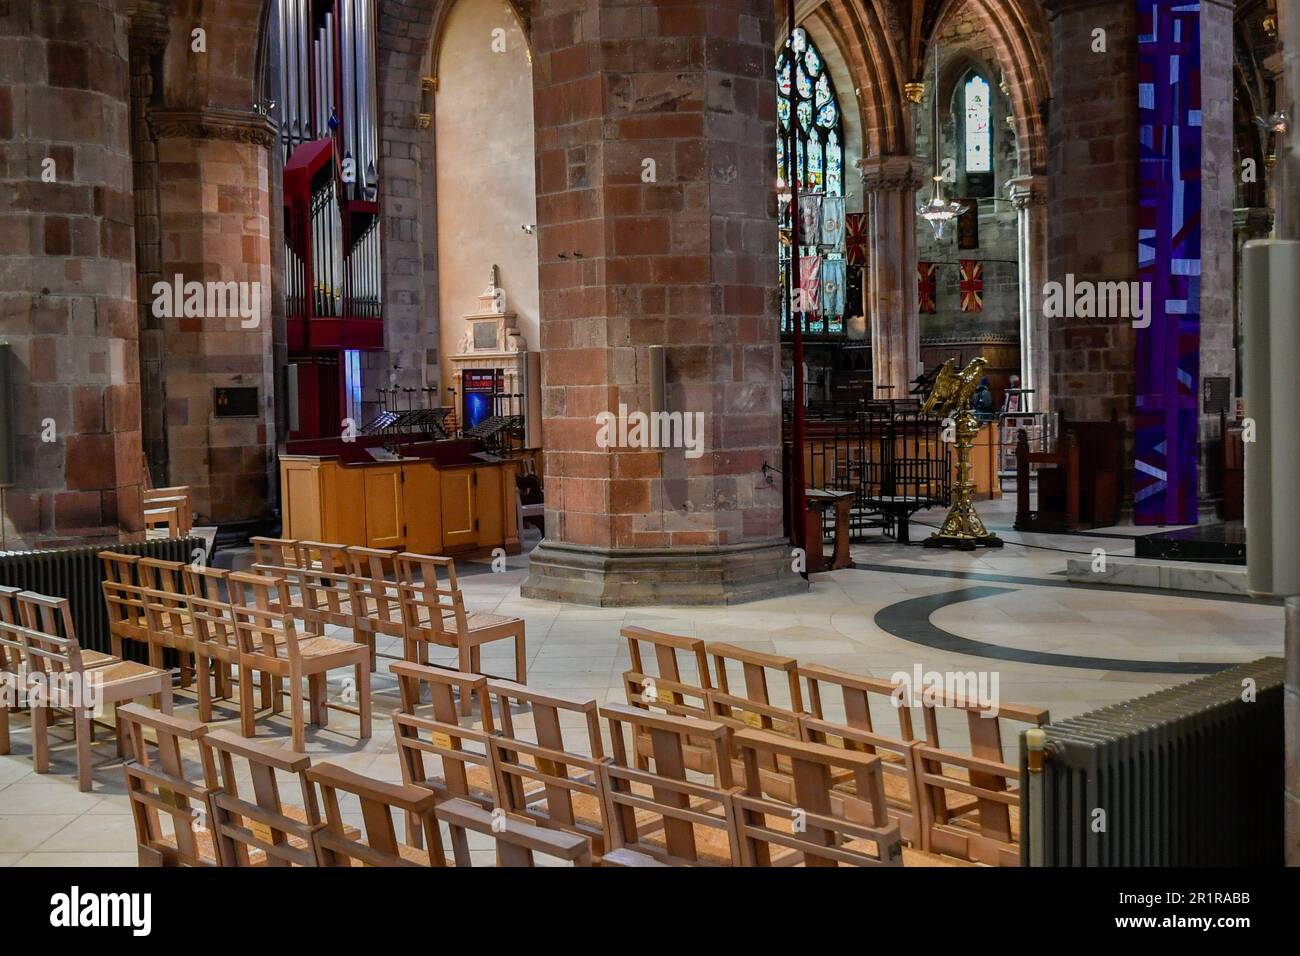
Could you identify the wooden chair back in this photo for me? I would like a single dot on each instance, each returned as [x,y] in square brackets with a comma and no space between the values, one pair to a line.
[275,556]
[178,499]
[432,732]
[377,601]
[122,600]
[49,638]
[163,595]
[548,774]
[753,703]
[263,623]
[260,828]
[11,642]
[325,585]
[378,844]
[158,785]
[433,607]
[667,687]
[986,828]
[207,596]
[657,811]
[516,843]
[835,816]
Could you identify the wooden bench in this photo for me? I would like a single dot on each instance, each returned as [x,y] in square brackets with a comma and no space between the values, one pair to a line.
[1078,483]
[168,512]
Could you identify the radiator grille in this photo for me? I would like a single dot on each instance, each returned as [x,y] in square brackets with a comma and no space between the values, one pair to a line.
[76,574]
[1187,776]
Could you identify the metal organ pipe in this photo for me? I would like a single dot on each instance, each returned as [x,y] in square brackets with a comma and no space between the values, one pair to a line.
[304,70]
[348,35]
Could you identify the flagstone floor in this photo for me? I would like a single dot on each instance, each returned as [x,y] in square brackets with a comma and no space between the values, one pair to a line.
[899,609]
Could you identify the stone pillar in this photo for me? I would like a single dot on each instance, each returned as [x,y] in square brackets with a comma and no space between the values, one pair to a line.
[657,227]
[67,272]
[1291,707]
[1092,204]
[890,183]
[1029,196]
[215,225]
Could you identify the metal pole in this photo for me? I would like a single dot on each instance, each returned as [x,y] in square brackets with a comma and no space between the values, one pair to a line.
[798,479]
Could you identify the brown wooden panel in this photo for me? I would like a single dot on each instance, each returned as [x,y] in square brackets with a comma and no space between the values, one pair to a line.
[301,484]
[458,507]
[421,495]
[343,504]
[489,506]
[384,512]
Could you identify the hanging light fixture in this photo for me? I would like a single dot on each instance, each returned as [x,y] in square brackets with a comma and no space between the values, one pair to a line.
[938,211]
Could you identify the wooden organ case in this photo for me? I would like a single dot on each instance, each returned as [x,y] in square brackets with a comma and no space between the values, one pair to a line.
[333,276]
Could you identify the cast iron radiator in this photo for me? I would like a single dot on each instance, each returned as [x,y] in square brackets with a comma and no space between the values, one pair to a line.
[76,573]
[1187,776]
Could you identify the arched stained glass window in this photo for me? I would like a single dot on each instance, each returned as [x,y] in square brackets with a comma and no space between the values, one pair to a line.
[805,93]
[979,133]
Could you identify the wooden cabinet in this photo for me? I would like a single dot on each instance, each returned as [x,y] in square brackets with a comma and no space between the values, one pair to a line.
[410,505]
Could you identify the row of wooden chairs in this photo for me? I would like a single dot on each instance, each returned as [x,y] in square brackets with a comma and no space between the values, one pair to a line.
[187,816]
[702,785]
[168,512]
[39,652]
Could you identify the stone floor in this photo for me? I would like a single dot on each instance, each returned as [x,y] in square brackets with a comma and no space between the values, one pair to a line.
[901,607]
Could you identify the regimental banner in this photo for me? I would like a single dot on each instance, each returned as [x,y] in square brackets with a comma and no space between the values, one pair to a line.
[1169,258]
[972,285]
[855,238]
[968,225]
[927,287]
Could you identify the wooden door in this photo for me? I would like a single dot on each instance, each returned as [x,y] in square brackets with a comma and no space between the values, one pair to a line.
[459,518]
[489,505]
[422,498]
[383,505]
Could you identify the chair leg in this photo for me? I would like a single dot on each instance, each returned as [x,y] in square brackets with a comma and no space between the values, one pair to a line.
[363,699]
[166,706]
[41,739]
[205,677]
[187,668]
[156,659]
[4,727]
[414,830]
[466,700]
[246,701]
[521,658]
[316,700]
[295,703]
[118,731]
[81,726]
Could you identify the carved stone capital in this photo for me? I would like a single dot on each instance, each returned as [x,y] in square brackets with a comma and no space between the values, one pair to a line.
[1252,222]
[1026,191]
[892,173]
[233,125]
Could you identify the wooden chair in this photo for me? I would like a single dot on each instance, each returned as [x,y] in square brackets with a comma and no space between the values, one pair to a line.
[216,645]
[123,603]
[657,812]
[820,824]
[167,614]
[52,652]
[668,688]
[168,509]
[378,844]
[1078,483]
[516,843]
[545,776]
[260,830]
[986,827]
[841,715]
[433,612]
[278,558]
[376,600]
[326,590]
[432,732]
[12,659]
[270,643]
[157,785]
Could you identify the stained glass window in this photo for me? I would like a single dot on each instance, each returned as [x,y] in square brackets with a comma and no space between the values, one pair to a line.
[979,151]
[806,97]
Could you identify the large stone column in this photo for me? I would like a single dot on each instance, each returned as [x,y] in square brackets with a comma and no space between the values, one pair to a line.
[67,296]
[657,227]
[214,202]
[890,184]
[1029,196]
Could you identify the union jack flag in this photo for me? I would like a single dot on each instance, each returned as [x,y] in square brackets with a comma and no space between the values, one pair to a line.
[855,238]
[926,287]
[972,285]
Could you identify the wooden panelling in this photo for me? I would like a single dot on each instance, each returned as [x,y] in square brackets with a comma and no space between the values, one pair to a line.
[458,510]
[489,505]
[384,511]
[422,496]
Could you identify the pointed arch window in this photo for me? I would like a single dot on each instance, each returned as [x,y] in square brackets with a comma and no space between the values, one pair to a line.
[806,95]
[979,129]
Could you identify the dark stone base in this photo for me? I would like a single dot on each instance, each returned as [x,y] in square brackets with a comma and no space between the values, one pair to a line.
[1223,543]
[605,577]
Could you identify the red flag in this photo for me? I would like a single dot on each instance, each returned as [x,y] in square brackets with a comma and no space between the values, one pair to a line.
[855,238]
[926,287]
[972,285]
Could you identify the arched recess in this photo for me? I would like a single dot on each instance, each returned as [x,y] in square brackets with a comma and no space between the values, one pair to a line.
[483,148]
[1018,32]
[840,72]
